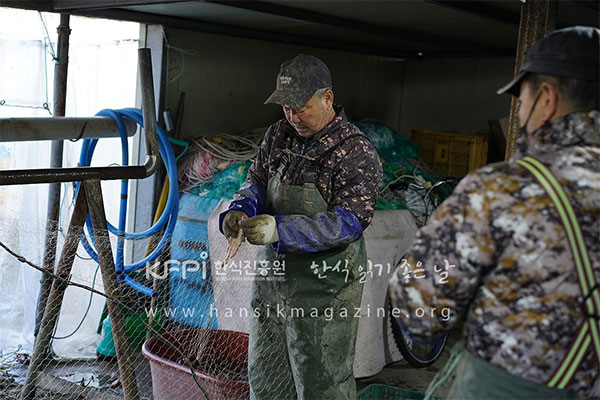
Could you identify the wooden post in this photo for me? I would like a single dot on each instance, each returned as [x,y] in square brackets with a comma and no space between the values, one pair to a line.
[538,18]
[111,288]
[55,297]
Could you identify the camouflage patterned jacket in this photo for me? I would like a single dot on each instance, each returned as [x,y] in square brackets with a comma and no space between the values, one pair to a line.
[496,250]
[345,168]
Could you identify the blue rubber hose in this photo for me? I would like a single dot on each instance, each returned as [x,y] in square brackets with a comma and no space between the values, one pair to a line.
[168,217]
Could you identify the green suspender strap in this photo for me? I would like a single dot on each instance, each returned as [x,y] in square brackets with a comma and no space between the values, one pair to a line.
[588,332]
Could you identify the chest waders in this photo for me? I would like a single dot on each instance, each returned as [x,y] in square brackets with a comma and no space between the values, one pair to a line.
[303,331]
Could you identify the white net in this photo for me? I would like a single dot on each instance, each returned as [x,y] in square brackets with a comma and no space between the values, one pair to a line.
[190,339]
[198,322]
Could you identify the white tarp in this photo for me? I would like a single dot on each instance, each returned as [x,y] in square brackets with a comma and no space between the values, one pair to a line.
[387,238]
[102,74]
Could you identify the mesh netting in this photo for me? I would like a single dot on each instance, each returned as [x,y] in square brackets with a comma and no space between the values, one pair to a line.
[190,341]
[178,326]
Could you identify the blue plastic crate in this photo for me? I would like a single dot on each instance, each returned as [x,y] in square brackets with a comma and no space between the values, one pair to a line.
[191,305]
[189,270]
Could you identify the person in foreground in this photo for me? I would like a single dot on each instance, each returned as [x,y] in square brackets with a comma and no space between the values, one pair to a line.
[309,196]
[517,245]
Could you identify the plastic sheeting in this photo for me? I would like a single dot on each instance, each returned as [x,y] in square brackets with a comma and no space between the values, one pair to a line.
[230,293]
[387,239]
[26,70]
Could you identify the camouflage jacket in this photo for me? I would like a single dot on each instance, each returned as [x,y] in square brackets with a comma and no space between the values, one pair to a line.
[496,250]
[343,165]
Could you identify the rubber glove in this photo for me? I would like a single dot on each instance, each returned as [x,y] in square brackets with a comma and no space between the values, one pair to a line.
[231,223]
[261,229]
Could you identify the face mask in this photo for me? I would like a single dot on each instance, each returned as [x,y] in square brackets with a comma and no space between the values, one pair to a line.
[523,129]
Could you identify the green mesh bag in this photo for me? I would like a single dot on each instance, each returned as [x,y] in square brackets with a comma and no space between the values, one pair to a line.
[225,183]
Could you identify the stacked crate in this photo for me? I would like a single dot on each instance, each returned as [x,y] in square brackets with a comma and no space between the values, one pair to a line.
[452,154]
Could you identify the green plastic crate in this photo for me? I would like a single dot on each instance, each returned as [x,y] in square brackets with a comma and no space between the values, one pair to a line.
[385,392]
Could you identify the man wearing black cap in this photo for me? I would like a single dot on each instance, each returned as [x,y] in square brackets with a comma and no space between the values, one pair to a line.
[309,196]
[523,241]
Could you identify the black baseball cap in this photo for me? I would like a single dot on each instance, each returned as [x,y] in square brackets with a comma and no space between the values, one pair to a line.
[298,80]
[570,52]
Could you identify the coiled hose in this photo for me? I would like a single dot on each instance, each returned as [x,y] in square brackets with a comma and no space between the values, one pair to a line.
[167,218]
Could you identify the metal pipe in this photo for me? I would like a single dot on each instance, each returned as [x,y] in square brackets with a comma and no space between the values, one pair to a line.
[72,128]
[61,66]
[29,176]
[148,105]
[111,288]
[55,298]
[52,225]
[56,161]
[90,196]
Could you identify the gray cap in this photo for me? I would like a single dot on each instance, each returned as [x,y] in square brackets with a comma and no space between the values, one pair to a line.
[569,52]
[298,80]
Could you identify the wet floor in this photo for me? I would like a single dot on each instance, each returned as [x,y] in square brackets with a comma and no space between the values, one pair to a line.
[404,375]
[104,374]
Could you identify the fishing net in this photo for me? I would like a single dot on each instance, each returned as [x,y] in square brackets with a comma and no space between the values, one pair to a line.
[189,341]
[407,181]
[173,327]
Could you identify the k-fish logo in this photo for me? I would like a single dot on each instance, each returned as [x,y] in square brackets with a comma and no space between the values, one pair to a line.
[285,80]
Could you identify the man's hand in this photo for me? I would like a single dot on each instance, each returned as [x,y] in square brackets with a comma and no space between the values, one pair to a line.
[261,229]
[231,221]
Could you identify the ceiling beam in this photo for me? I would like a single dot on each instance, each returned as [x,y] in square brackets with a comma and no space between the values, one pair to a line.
[591,4]
[64,5]
[452,48]
[480,9]
[38,5]
[248,33]
[364,27]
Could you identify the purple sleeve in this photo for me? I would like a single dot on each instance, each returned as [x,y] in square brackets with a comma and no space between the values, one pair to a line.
[249,199]
[326,230]
[251,196]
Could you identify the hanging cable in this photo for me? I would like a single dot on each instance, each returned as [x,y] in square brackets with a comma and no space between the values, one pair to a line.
[182,53]
[87,310]
[47,36]
[229,147]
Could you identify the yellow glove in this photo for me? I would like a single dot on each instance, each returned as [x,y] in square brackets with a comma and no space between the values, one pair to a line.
[231,221]
[261,229]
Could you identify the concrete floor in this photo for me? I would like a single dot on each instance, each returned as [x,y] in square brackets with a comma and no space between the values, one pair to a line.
[106,371]
[405,376]
[399,374]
